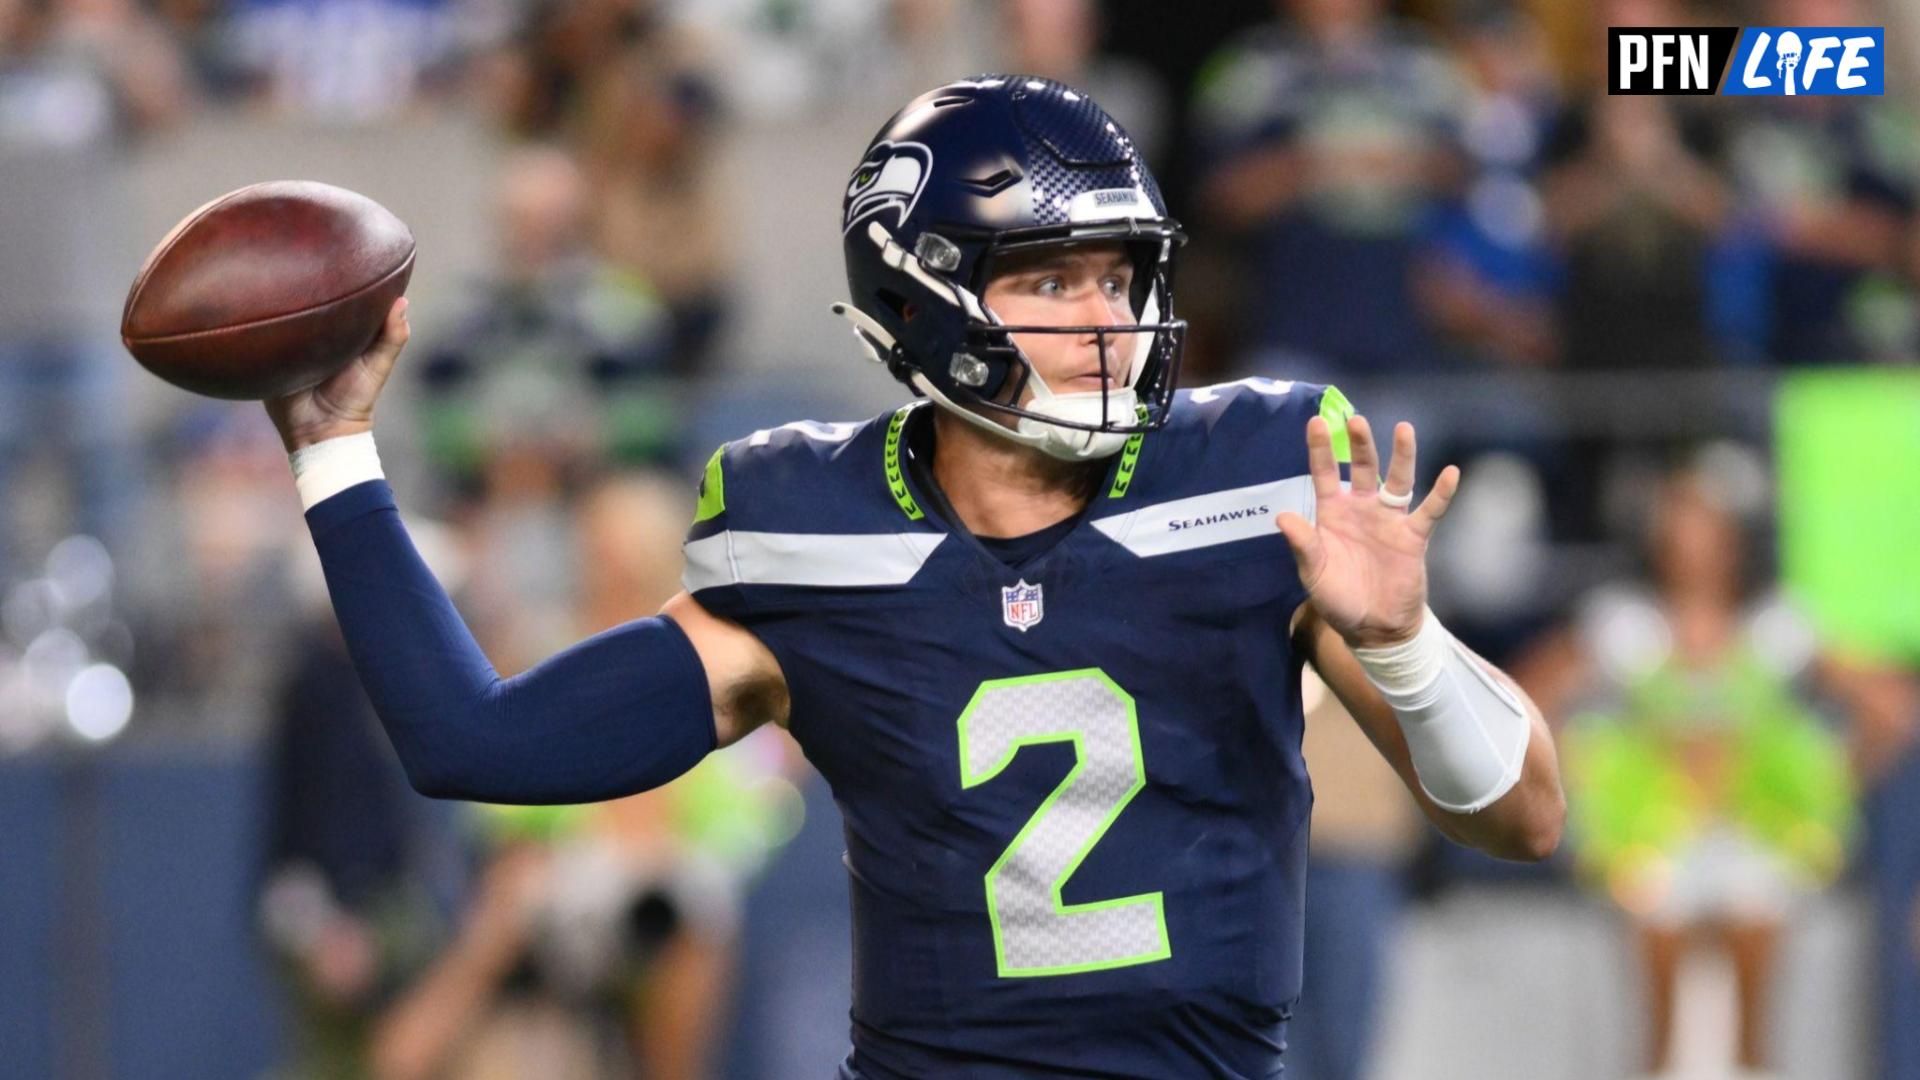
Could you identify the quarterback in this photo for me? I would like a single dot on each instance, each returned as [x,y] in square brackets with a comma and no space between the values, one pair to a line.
[1042,629]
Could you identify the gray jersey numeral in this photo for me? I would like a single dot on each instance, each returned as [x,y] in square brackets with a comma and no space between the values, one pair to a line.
[1034,931]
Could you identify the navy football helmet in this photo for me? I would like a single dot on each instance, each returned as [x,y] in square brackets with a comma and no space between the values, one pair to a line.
[965,175]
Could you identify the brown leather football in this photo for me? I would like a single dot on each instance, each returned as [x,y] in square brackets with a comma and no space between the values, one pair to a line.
[267,290]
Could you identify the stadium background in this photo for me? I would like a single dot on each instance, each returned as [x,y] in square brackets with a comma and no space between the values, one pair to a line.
[626,216]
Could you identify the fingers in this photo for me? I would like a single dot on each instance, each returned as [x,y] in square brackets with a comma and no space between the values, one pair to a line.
[393,338]
[1320,464]
[1366,461]
[1400,471]
[1434,506]
[1304,539]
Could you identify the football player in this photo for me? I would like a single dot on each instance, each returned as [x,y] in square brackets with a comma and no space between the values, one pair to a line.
[1041,630]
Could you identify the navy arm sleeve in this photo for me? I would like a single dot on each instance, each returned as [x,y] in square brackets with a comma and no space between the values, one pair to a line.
[623,711]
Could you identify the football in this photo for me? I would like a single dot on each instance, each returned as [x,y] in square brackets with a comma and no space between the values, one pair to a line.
[267,290]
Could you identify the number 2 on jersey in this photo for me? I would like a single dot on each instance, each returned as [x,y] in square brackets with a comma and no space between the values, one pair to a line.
[1034,931]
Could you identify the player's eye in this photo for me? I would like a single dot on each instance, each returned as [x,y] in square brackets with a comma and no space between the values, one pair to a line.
[1051,285]
[1114,286]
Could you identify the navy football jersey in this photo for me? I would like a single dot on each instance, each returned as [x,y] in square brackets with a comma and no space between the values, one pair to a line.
[1074,801]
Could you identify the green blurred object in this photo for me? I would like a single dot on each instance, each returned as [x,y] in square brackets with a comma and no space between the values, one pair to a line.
[533,824]
[735,812]
[1629,801]
[729,807]
[1787,782]
[1848,454]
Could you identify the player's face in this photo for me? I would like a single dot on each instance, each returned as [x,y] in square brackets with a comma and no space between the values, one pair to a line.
[1085,285]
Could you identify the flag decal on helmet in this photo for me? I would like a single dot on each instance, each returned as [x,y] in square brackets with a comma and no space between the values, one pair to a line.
[890,177]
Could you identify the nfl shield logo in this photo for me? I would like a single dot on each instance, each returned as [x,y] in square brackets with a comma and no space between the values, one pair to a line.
[1021,605]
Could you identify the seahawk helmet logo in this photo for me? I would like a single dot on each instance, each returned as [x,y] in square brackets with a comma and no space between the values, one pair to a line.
[1022,605]
[891,177]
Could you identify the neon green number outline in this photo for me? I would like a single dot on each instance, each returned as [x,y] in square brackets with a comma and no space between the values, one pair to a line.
[1161,950]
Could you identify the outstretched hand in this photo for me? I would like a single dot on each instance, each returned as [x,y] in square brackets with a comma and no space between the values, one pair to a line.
[1364,557]
[343,403]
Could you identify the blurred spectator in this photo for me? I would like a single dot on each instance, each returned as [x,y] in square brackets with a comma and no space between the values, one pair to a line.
[630,530]
[1492,568]
[208,580]
[593,949]
[796,954]
[1828,188]
[1707,795]
[790,62]
[528,513]
[1365,831]
[1060,39]
[79,81]
[1636,210]
[600,941]
[537,75]
[646,136]
[198,31]
[738,810]
[345,61]
[1331,138]
[362,873]
[1634,206]
[557,344]
[1884,699]
[737,806]
[1487,279]
[520,526]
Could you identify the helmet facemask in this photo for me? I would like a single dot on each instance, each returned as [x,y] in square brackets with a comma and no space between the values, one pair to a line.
[987,377]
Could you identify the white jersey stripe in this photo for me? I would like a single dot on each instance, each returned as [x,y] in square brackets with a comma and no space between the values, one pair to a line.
[819,559]
[1218,517]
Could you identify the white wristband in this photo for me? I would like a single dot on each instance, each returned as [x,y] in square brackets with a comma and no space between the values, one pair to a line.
[1466,732]
[328,468]
[1412,665]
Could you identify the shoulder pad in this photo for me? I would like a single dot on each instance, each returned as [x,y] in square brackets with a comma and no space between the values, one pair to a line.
[801,506]
[1258,407]
[1233,435]
[807,476]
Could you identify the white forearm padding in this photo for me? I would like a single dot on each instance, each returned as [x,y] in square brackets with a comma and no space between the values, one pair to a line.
[1466,732]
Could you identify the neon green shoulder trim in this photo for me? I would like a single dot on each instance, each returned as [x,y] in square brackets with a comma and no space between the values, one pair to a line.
[713,490]
[896,478]
[1335,409]
[1129,457]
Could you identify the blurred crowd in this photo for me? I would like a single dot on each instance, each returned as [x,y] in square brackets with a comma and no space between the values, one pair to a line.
[1587,300]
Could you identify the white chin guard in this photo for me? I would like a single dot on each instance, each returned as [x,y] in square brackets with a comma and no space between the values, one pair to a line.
[1073,444]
